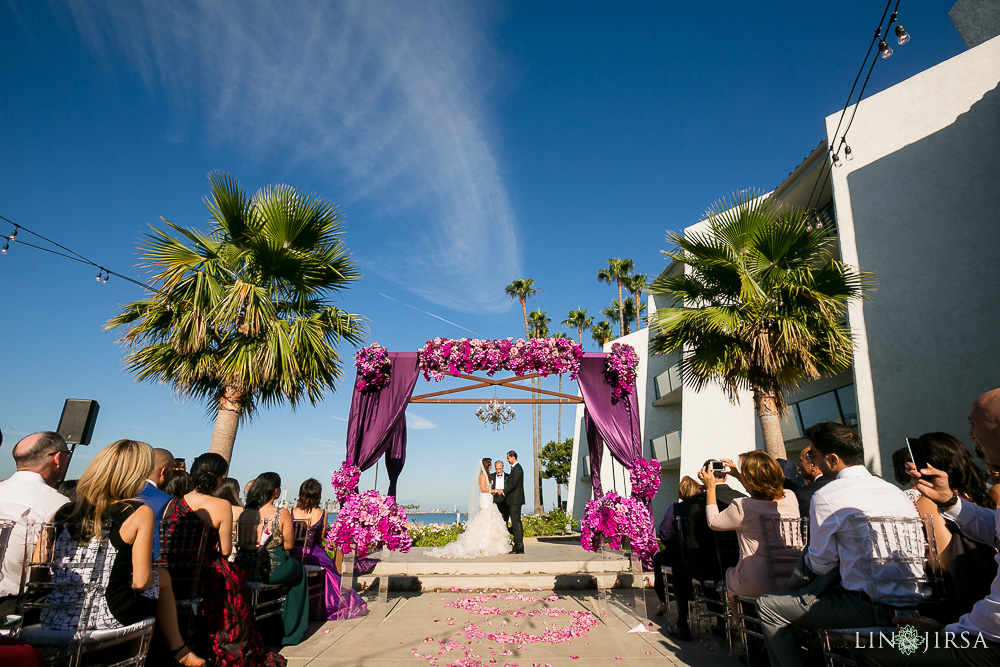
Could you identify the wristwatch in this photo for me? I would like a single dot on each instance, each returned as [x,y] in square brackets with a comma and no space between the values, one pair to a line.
[947,505]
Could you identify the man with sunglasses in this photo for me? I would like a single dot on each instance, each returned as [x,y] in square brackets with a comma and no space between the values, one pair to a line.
[29,495]
[838,597]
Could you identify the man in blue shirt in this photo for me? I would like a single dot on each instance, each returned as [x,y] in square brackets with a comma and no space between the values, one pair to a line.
[151,494]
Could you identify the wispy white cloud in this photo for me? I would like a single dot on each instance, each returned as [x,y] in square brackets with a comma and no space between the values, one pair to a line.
[418,423]
[342,419]
[388,96]
[427,312]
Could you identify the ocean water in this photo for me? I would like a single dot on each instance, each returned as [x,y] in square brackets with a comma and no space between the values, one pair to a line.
[421,518]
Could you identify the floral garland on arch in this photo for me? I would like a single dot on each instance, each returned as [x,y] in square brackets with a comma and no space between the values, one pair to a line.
[611,518]
[374,368]
[454,356]
[645,478]
[620,370]
[345,481]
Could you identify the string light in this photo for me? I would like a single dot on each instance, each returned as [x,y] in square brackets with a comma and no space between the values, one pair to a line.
[883,49]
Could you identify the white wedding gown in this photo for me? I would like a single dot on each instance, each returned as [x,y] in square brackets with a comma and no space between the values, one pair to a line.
[485,535]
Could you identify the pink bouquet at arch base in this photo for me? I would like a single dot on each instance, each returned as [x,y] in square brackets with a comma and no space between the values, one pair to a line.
[611,518]
[645,477]
[345,481]
[366,523]
[373,366]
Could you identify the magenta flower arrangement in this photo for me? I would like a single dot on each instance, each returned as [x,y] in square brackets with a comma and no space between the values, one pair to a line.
[611,518]
[447,356]
[374,368]
[345,481]
[619,370]
[645,476]
[366,523]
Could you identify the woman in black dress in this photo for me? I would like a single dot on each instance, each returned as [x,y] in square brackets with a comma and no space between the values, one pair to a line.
[128,588]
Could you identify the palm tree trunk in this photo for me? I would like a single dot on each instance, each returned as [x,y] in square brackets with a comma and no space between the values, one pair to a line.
[534,421]
[621,311]
[226,423]
[558,496]
[766,406]
[638,310]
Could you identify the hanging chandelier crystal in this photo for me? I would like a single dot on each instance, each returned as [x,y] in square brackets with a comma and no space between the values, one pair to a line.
[495,414]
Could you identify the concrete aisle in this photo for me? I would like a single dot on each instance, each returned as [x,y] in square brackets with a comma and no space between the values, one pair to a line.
[416,618]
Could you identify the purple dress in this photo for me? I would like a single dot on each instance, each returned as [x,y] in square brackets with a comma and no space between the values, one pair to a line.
[330,606]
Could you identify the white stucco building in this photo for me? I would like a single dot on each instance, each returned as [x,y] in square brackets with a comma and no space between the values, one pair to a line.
[919,204]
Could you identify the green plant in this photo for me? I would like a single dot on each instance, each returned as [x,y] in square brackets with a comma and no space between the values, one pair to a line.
[435,535]
[541,525]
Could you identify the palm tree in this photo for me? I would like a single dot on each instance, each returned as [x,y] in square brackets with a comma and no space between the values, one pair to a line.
[618,270]
[602,333]
[637,285]
[521,289]
[578,320]
[765,305]
[539,323]
[626,315]
[240,315]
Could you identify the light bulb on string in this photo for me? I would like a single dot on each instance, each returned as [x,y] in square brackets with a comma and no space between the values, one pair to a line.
[106,276]
[836,160]
[902,37]
[848,155]
[883,48]
[99,274]
[13,235]
[6,247]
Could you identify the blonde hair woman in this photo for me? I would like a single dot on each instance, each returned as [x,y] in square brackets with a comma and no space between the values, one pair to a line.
[762,477]
[128,588]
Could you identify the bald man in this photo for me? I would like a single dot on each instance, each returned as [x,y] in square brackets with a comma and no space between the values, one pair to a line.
[152,494]
[28,495]
[975,637]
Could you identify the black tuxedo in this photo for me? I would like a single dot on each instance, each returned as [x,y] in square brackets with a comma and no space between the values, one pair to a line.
[804,494]
[513,493]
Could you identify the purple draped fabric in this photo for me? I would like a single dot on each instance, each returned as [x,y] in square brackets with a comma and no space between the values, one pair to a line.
[613,424]
[377,424]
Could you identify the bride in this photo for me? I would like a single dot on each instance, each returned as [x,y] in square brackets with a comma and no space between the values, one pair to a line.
[486,532]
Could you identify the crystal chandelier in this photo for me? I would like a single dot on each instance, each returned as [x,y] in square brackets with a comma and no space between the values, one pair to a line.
[495,414]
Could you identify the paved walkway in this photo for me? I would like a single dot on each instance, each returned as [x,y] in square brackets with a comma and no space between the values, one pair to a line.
[423,630]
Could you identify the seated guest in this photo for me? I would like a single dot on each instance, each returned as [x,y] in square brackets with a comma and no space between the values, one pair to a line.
[670,536]
[225,612]
[153,494]
[993,482]
[700,555]
[974,639]
[266,537]
[307,509]
[835,545]
[900,458]
[128,589]
[761,475]
[813,477]
[67,487]
[968,564]
[229,490]
[179,484]
[28,496]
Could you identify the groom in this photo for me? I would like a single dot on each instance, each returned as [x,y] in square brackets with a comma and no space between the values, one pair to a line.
[513,494]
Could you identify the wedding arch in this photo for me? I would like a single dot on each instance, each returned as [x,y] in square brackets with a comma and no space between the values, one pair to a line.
[386,380]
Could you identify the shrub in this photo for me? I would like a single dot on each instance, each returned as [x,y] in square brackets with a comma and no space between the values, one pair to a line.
[435,535]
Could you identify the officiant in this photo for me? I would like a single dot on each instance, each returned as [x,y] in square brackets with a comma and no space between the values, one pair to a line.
[496,482]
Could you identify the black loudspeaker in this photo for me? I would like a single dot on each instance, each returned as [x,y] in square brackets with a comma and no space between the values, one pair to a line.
[76,425]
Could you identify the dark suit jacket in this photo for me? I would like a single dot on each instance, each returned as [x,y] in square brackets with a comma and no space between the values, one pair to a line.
[513,485]
[498,499]
[805,493]
[707,553]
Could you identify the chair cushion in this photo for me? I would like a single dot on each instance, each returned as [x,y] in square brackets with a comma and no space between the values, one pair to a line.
[39,636]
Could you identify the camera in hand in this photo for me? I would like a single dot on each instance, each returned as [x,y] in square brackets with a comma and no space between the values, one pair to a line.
[719,469]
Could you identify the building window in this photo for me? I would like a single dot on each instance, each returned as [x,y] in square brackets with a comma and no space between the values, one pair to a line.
[838,406]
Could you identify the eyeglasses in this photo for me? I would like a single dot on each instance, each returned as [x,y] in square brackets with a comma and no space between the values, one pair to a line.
[59,451]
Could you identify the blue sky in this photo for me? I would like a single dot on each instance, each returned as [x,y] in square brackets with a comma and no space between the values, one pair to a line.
[467,144]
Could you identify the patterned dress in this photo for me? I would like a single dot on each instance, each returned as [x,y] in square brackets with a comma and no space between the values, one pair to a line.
[233,636]
[107,587]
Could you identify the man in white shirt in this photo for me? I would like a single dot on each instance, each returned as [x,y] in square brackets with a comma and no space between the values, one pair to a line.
[28,495]
[836,541]
[974,639]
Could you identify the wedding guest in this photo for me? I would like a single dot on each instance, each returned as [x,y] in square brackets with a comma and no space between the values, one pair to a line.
[312,552]
[761,475]
[179,485]
[67,487]
[670,535]
[153,494]
[225,612]
[29,496]
[266,537]
[814,478]
[129,589]
[993,479]
[229,490]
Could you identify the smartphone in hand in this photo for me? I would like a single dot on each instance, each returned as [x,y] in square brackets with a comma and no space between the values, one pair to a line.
[917,454]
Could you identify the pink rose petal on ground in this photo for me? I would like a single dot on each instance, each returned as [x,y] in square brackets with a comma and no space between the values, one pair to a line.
[574,657]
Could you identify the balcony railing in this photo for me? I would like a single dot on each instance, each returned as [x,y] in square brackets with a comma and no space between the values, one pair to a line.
[666,448]
[667,385]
